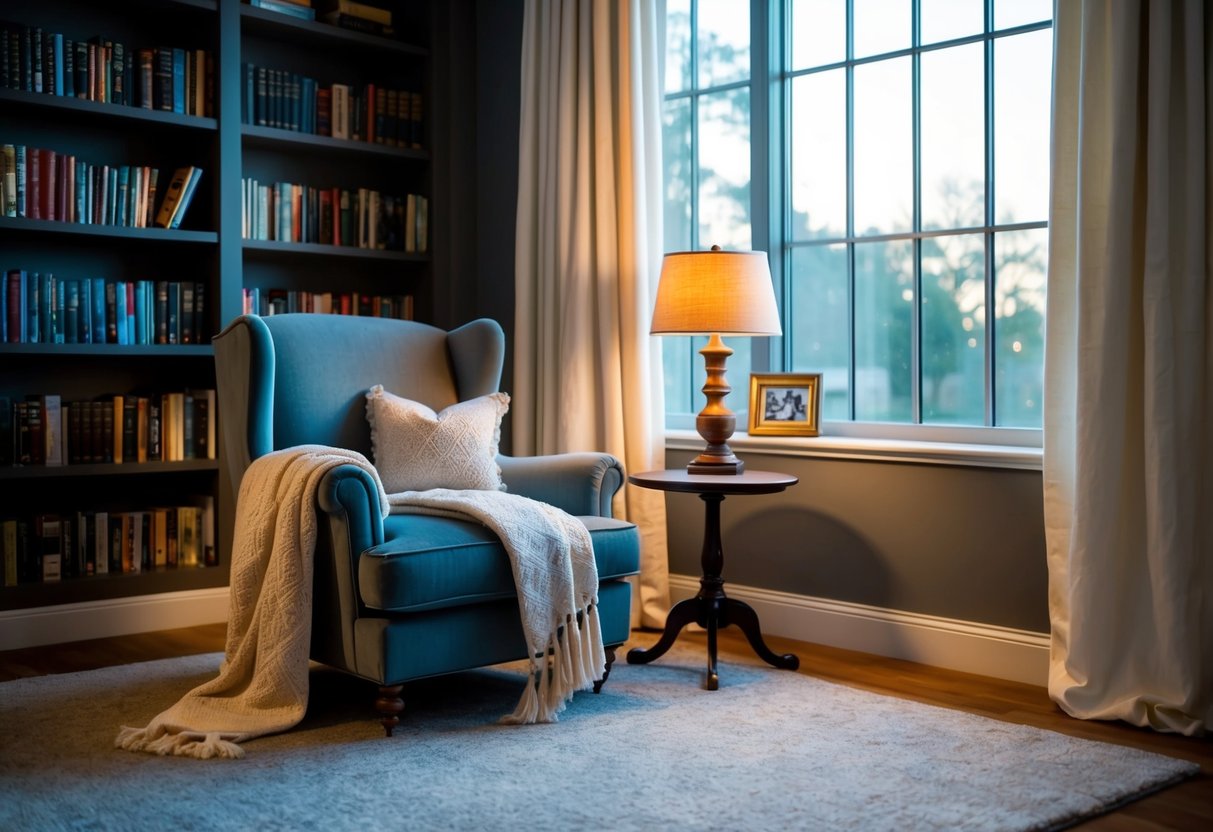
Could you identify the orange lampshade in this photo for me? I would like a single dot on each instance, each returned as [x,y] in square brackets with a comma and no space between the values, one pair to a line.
[723,292]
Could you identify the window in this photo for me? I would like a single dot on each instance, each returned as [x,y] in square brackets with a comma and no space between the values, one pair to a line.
[900,151]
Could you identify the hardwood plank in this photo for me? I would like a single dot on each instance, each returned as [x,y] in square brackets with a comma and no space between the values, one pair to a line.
[1186,806]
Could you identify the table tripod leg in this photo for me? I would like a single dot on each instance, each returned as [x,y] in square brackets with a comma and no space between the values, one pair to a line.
[743,615]
[683,613]
[713,616]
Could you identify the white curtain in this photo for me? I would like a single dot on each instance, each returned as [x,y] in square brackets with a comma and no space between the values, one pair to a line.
[587,375]
[1128,436]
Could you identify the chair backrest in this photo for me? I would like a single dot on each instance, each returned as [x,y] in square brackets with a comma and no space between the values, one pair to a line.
[299,379]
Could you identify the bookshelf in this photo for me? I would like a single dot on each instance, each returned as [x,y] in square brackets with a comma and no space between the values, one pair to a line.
[299,52]
[211,249]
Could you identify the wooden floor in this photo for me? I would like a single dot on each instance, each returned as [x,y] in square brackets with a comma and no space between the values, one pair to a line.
[1188,806]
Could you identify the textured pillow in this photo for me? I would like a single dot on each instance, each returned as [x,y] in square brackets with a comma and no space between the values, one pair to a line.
[417,449]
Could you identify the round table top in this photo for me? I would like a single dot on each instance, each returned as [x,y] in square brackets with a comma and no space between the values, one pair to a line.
[747,482]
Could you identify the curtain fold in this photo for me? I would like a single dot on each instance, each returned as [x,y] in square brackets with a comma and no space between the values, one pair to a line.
[1128,430]
[589,247]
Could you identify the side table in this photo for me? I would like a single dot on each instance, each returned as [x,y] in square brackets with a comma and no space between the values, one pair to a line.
[711,608]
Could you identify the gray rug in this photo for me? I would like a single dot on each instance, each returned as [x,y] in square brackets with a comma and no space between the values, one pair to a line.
[770,750]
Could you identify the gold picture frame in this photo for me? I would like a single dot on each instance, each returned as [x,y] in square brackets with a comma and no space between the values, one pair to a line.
[785,404]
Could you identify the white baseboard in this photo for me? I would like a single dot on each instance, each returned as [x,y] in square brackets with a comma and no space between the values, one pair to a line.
[112,617]
[985,649]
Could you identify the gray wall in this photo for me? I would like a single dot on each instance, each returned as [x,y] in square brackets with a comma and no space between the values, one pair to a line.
[964,543]
[951,541]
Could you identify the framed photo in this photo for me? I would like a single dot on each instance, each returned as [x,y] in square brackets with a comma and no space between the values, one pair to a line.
[785,404]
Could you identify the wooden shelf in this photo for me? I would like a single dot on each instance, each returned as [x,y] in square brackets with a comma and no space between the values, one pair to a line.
[37,472]
[20,99]
[272,137]
[111,586]
[81,229]
[276,248]
[315,33]
[111,350]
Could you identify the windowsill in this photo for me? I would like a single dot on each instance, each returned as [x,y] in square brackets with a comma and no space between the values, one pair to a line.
[873,450]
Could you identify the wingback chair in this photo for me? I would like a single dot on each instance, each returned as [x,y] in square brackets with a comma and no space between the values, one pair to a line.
[410,595]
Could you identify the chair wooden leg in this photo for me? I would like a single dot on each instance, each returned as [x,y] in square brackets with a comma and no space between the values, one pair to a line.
[390,705]
[610,660]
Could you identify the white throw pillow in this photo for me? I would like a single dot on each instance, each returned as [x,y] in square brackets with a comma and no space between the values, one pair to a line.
[417,449]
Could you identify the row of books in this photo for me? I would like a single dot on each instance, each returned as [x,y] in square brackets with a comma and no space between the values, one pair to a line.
[40,308]
[371,113]
[363,218]
[42,429]
[172,79]
[42,184]
[348,14]
[48,547]
[281,301]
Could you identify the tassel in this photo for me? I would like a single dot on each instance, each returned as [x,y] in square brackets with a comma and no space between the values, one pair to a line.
[598,660]
[202,746]
[528,705]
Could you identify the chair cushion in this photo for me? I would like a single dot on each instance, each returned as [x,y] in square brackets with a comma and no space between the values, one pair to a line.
[428,562]
[416,449]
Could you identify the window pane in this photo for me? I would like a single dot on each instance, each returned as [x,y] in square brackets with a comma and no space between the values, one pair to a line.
[676,361]
[884,170]
[1008,13]
[676,157]
[881,26]
[819,32]
[821,337]
[884,297]
[819,155]
[1023,78]
[723,42]
[948,19]
[1020,264]
[677,45]
[953,137]
[953,315]
[724,169]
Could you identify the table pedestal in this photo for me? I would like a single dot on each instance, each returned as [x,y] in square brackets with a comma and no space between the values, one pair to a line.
[711,608]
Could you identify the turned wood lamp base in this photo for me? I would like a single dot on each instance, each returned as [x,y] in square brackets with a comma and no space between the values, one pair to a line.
[716,422]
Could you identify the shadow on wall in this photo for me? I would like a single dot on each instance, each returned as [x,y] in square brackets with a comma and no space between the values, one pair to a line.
[799,550]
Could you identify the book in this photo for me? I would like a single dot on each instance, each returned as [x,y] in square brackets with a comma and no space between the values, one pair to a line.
[187,195]
[10,180]
[357,24]
[172,196]
[285,7]
[101,538]
[48,534]
[357,8]
[9,550]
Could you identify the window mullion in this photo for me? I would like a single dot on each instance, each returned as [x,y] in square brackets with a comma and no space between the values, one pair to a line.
[916,312]
[850,154]
[989,275]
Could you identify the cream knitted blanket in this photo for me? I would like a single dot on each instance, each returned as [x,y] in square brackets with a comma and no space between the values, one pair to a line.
[557,583]
[262,686]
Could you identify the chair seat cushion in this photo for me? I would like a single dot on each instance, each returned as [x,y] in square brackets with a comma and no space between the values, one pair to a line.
[428,562]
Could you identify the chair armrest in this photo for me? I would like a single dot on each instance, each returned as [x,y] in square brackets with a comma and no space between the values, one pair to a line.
[350,523]
[580,483]
[350,497]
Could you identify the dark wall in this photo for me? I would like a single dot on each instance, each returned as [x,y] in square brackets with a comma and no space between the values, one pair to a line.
[964,543]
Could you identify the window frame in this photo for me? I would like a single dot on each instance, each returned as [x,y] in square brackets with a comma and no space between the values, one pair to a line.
[771,212]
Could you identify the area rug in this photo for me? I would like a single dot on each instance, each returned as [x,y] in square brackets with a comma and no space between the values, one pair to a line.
[770,750]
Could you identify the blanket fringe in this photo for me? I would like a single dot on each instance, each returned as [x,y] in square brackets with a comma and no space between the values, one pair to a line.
[573,661]
[202,746]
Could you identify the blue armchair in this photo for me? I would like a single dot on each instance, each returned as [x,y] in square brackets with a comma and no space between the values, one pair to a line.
[407,596]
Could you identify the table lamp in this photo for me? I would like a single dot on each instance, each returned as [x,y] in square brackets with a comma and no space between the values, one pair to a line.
[715,293]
